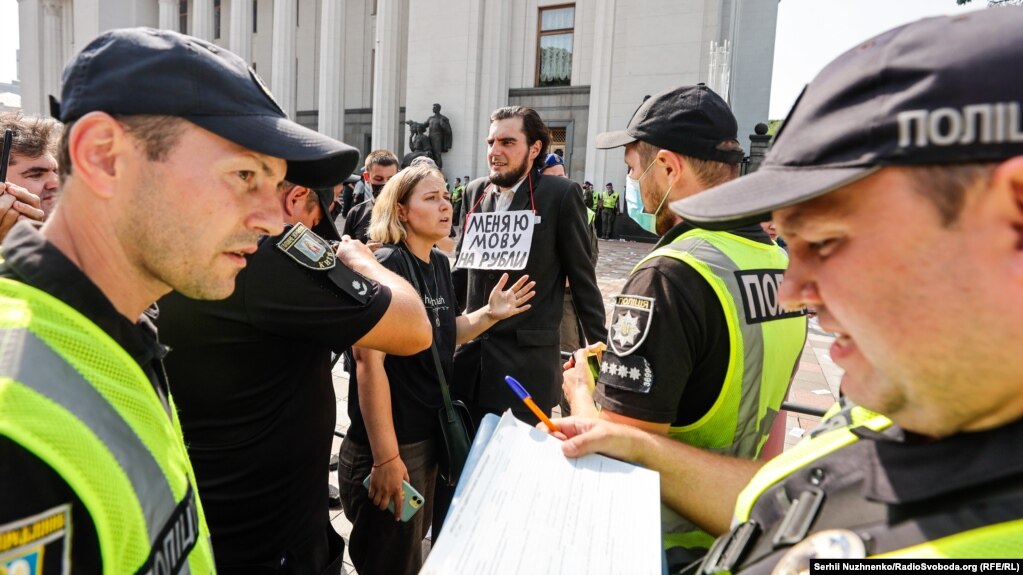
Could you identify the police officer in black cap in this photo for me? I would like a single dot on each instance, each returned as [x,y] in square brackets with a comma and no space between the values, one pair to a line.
[898,182]
[251,375]
[699,349]
[170,161]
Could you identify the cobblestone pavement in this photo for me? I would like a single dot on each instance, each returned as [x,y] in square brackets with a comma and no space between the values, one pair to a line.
[815,384]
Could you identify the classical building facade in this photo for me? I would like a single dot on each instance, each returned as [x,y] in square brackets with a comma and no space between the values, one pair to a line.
[358,69]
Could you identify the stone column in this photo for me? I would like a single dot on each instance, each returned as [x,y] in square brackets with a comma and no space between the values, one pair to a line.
[51,42]
[495,51]
[169,12]
[282,63]
[240,33]
[386,77]
[202,19]
[331,99]
[600,90]
[30,67]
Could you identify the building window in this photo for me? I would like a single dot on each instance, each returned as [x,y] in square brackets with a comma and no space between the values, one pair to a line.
[558,140]
[255,16]
[183,16]
[554,46]
[216,19]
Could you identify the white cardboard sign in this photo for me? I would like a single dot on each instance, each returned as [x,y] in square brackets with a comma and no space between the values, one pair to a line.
[497,241]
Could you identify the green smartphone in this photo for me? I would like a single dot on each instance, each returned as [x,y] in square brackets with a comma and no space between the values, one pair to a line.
[594,364]
[413,500]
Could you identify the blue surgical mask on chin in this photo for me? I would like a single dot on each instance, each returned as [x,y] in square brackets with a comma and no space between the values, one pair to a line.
[634,202]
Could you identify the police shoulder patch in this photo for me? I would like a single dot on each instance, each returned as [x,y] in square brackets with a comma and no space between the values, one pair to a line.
[307,248]
[630,323]
[631,373]
[26,543]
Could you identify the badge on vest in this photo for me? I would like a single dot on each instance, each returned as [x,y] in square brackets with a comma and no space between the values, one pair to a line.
[26,543]
[311,251]
[830,544]
[307,248]
[631,373]
[630,323]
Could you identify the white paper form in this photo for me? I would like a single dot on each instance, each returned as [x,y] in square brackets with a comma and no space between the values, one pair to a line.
[528,509]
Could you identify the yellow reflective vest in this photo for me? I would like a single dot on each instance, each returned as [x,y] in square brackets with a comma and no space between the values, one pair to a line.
[765,344]
[609,199]
[74,398]
[841,427]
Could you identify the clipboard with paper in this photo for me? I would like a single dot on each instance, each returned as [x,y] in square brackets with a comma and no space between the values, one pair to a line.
[521,506]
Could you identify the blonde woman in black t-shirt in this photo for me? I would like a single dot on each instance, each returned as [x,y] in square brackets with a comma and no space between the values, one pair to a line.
[393,401]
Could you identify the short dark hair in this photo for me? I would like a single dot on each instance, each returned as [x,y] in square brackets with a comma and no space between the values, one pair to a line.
[158,134]
[946,186]
[534,128]
[33,135]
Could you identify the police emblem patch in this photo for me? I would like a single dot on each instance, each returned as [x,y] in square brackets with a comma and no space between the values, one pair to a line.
[262,86]
[307,248]
[830,544]
[630,323]
[26,543]
[631,373]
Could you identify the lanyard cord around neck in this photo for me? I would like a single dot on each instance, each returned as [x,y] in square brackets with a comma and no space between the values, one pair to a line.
[532,200]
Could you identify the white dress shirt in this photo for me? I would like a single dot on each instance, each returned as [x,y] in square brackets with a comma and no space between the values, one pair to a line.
[504,197]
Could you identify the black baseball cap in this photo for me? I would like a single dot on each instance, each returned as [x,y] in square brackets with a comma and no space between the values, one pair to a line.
[134,71]
[690,120]
[326,229]
[938,91]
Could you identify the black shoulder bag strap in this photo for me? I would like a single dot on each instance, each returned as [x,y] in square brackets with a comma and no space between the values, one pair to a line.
[413,275]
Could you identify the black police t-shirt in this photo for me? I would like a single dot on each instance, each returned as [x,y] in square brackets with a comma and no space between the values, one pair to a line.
[415,391]
[681,350]
[251,379]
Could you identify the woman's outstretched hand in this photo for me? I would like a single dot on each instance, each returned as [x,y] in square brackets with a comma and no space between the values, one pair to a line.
[505,303]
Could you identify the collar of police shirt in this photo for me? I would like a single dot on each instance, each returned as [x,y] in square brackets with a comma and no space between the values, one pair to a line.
[504,197]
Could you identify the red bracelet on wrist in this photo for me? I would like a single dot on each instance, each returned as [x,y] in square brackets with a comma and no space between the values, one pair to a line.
[375,465]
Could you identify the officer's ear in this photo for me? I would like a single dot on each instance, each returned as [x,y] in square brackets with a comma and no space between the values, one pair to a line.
[675,168]
[296,199]
[1006,185]
[101,151]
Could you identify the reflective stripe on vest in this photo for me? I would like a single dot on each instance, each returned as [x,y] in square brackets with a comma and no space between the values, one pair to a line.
[74,398]
[996,541]
[805,452]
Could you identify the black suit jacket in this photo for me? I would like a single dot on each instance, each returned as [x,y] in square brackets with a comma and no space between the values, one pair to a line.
[527,346]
